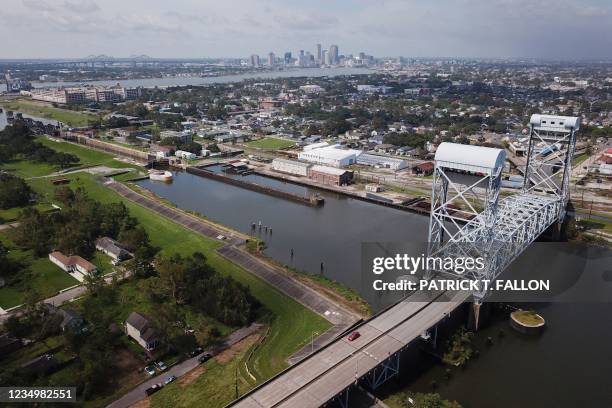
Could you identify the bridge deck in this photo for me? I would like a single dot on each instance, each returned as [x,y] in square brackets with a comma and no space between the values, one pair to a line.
[321,377]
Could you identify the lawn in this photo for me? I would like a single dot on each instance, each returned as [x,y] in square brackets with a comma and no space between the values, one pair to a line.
[291,324]
[271,143]
[45,278]
[69,117]
[27,169]
[89,157]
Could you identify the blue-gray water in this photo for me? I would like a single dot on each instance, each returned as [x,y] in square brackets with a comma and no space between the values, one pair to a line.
[183,81]
[567,366]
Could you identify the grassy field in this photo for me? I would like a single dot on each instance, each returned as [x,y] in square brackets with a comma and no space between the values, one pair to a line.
[69,117]
[43,276]
[291,324]
[271,143]
[89,157]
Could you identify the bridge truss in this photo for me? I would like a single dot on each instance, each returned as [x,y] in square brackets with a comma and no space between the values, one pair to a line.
[469,220]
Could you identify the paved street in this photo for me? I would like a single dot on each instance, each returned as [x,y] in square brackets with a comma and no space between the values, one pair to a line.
[182,368]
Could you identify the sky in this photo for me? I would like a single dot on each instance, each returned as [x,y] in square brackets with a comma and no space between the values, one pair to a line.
[548,29]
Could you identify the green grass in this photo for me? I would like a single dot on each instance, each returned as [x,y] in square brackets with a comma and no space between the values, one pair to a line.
[69,117]
[211,386]
[88,157]
[27,169]
[291,324]
[44,277]
[12,214]
[271,143]
[579,159]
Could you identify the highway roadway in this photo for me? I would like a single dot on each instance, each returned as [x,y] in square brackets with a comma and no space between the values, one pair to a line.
[324,375]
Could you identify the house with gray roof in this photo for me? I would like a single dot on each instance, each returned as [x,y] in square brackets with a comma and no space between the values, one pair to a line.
[140,328]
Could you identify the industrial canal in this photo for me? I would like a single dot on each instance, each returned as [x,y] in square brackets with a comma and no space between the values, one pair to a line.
[547,370]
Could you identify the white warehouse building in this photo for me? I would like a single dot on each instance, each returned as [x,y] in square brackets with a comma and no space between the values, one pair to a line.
[185,155]
[291,167]
[374,160]
[330,156]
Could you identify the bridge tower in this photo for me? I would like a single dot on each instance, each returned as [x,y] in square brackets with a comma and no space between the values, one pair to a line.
[552,141]
[464,205]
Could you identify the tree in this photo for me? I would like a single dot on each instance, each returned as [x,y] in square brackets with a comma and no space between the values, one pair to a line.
[14,192]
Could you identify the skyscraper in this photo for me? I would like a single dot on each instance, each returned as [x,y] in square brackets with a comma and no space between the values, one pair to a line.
[271,59]
[254,60]
[325,57]
[333,54]
[319,60]
[288,57]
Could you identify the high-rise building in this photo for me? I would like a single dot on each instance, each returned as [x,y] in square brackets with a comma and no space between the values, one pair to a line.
[288,57]
[271,59]
[254,60]
[333,54]
[325,58]
[319,60]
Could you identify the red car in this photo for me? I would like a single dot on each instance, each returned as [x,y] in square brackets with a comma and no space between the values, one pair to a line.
[353,336]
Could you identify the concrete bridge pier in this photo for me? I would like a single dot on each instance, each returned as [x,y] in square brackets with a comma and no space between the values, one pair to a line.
[479,314]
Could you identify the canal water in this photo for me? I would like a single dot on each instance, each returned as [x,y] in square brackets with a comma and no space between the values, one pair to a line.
[4,122]
[567,365]
[183,81]
[330,235]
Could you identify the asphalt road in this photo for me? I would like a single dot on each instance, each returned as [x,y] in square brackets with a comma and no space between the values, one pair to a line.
[182,368]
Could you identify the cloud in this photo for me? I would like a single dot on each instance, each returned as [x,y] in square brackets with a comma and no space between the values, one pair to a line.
[482,28]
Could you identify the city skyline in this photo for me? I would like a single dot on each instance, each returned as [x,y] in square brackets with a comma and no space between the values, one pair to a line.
[77,28]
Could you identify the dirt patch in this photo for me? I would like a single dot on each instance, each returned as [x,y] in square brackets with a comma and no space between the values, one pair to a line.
[145,403]
[191,376]
[237,348]
[129,368]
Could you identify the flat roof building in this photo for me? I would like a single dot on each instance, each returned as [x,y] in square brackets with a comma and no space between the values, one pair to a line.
[291,167]
[331,156]
[330,175]
[374,160]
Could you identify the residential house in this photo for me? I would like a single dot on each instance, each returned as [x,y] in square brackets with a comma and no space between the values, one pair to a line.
[141,329]
[111,248]
[73,264]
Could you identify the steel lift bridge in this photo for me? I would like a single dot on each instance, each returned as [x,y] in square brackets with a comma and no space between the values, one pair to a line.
[468,217]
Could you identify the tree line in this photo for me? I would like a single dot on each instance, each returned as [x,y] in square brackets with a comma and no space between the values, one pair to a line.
[18,142]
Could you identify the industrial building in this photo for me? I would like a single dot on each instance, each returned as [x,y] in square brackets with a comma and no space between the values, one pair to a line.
[330,156]
[330,175]
[185,155]
[85,94]
[386,162]
[291,167]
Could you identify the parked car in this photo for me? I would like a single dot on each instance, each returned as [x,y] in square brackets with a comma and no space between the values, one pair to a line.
[161,366]
[205,357]
[353,336]
[169,379]
[195,352]
[153,389]
[150,370]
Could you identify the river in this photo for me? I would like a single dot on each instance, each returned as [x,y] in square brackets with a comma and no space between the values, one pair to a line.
[183,81]
[568,365]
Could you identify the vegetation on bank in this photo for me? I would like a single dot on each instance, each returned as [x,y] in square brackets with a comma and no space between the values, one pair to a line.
[459,348]
[420,400]
[289,323]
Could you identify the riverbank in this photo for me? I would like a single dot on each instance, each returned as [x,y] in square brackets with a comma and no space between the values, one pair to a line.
[290,323]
